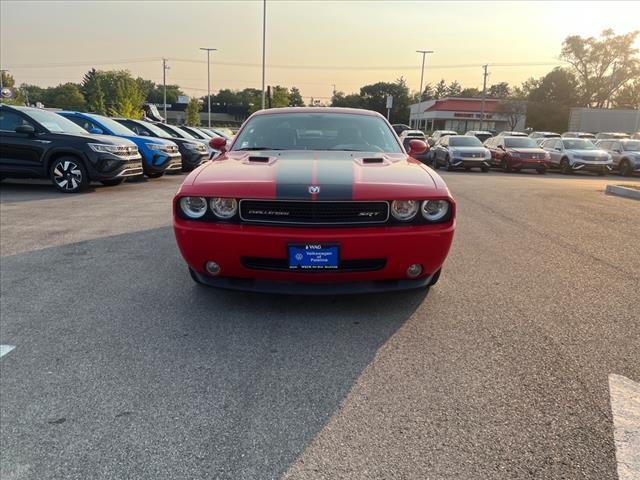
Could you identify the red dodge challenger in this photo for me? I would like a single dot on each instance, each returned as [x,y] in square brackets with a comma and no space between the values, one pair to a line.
[315,201]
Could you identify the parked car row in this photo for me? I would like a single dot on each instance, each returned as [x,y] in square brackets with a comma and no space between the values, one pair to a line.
[75,148]
[539,151]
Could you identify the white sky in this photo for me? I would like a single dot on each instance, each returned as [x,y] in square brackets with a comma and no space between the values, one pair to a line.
[39,39]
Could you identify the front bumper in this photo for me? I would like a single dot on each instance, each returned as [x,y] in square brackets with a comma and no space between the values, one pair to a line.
[466,162]
[192,159]
[397,247]
[578,165]
[298,288]
[107,166]
[527,164]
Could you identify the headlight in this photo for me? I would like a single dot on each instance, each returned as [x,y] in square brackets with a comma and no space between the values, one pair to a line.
[194,146]
[435,210]
[105,148]
[156,146]
[404,210]
[514,154]
[547,156]
[193,207]
[487,155]
[224,208]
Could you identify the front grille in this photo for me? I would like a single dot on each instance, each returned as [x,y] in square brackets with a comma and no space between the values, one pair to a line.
[472,155]
[126,150]
[281,264]
[313,212]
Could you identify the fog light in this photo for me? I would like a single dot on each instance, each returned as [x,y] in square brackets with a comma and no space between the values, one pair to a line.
[414,270]
[212,268]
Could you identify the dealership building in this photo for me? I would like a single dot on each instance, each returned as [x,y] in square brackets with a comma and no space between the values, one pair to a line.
[461,115]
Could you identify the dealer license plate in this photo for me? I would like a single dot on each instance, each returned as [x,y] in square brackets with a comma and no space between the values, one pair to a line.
[314,256]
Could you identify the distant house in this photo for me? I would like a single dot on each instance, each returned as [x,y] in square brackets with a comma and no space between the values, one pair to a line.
[461,115]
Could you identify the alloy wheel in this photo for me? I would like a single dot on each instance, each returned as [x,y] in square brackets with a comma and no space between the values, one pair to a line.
[67,175]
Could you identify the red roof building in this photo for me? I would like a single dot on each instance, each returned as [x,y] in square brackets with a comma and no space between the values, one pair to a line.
[462,115]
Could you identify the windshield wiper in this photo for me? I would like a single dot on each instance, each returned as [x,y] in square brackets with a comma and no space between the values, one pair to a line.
[345,150]
[248,149]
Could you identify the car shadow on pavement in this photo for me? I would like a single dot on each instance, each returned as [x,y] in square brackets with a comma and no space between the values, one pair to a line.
[124,368]
[14,191]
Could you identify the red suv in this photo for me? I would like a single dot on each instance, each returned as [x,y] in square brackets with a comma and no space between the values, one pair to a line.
[517,153]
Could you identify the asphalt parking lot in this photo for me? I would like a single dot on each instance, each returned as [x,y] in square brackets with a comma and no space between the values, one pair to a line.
[124,368]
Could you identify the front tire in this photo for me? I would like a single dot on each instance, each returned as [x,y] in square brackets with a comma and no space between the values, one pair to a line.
[155,174]
[506,168]
[541,171]
[69,175]
[565,166]
[112,182]
[625,168]
[448,163]
[484,169]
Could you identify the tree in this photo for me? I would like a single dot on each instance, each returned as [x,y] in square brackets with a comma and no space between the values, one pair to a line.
[499,90]
[374,97]
[628,96]
[122,94]
[550,99]
[440,90]
[193,112]
[514,109]
[279,96]
[156,94]
[67,96]
[93,93]
[454,89]
[353,100]
[295,98]
[602,65]
[470,93]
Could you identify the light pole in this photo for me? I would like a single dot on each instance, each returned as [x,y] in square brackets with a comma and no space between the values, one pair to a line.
[264,36]
[165,67]
[424,54]
[209,50]
[484,94]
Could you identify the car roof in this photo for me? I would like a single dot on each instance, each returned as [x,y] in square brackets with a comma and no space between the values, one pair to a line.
[339,110]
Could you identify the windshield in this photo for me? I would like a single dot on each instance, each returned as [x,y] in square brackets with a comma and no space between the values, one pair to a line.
[520,142]
[317,131]
[54,122]
[464,141]
[178,132]
[115,127]
[153,128]
[579,145]
[631,146]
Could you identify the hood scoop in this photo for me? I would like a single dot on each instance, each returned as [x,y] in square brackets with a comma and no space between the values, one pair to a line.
[258,160]
[372,160]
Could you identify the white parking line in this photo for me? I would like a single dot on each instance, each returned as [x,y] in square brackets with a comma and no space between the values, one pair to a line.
[4,349]
[625,407]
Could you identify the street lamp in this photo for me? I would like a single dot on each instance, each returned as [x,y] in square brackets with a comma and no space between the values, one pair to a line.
[264,33]
[209,50]
[424,54]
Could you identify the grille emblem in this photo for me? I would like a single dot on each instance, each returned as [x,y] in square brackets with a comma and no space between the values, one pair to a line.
[314,189]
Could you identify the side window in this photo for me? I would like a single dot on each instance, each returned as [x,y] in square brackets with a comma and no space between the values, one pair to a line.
[81,122]
[9,121]
[606,145]
[615,146]
[139,129]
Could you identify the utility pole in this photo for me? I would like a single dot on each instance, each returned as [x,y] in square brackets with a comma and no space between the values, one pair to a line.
[484,94]
[264,36]
[209,50]
[165,67]
[424,54]
[334,89]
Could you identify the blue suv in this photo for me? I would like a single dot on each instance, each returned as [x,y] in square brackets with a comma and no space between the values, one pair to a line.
[158,155]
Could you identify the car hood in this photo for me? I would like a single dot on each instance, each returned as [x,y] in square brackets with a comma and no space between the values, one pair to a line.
[590,153]
[527,150]
[337,175]
[469,149]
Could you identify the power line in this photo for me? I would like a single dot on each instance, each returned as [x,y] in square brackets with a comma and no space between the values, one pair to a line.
[280,66]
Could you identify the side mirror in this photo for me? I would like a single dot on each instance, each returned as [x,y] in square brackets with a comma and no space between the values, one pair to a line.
[218,143]
[558,149]
[26,129]
[416,147]
[96,131]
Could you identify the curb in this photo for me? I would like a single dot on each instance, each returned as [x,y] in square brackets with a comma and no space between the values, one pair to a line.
[623,192]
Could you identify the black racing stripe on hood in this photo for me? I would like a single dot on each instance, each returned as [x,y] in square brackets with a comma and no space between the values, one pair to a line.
[293,177]
[335,179]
